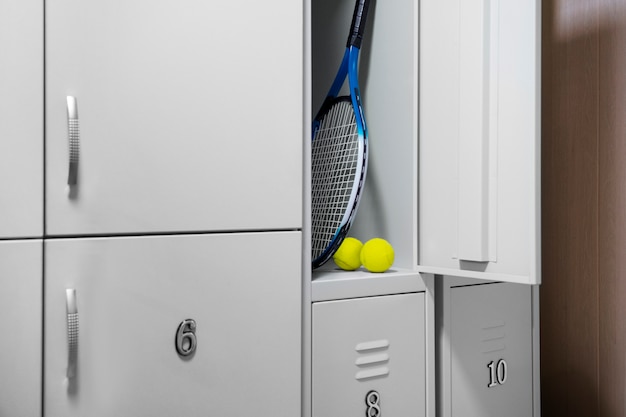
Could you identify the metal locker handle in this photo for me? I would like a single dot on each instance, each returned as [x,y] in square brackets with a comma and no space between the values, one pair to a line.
[72,332]
[73,133]
[478,132]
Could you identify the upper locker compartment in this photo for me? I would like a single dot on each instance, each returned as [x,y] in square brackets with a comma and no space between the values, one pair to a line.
[388,76]
[167,118]
[479,163]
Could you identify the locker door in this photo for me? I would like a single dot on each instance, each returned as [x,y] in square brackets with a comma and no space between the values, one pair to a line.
[20,327]
[136,351]
[21,118]
[480,134]
[491,365]
[185,116]
[369,357]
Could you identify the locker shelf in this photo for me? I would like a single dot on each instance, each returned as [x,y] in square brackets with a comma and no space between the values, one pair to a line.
[333,284]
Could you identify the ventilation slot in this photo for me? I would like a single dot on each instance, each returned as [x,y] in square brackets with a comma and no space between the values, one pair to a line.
[372,359]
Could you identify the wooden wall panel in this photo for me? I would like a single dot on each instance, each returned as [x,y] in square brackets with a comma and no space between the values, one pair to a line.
[569,294]
[583,298]
[612,208]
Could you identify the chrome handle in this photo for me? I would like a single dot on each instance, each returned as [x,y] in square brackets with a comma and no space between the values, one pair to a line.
[73,133]
[72,332]
[477,130]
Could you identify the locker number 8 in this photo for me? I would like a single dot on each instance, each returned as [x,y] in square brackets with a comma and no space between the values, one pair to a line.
[186,341]
[497,373]
[372,399]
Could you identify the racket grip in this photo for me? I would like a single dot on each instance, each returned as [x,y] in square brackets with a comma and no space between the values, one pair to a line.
[359,19]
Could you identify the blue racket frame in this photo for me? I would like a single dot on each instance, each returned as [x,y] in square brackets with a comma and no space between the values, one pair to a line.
[348,68]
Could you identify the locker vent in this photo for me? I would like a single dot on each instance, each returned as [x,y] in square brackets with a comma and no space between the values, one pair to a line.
[372,359]
[493,336]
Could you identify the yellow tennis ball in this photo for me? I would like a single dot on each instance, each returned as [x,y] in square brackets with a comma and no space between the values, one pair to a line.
[347,256]
[377,255]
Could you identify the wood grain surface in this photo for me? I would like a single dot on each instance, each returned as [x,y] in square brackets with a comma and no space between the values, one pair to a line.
[583,326]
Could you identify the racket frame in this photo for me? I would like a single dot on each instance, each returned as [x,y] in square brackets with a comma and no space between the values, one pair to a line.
[348,68]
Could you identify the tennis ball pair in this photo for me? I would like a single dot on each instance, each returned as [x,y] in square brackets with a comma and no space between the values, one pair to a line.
[376,255]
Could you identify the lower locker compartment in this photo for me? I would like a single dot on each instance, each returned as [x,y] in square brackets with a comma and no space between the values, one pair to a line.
[173,326]
[369,357]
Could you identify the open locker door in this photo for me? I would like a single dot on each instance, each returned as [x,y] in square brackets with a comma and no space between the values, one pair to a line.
[479,136]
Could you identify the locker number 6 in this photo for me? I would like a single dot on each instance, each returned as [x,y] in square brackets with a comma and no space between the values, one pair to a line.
[186,341]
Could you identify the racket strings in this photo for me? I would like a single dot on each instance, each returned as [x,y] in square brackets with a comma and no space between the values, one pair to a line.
[335,165]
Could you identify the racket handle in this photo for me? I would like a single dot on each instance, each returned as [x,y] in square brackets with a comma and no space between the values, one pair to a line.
[359,18]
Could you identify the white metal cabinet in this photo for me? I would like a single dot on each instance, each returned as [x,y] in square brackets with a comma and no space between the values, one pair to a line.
[190,116]
[21,118]
[369,357]
[389,84]
[488,347]
[131,295]
[20,327]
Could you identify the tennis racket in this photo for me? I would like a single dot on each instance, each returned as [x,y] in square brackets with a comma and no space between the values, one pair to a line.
[339,151]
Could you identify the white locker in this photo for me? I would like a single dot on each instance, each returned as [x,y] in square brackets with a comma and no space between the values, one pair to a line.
[21,118]
[129,297]
[487,350]
[451,95]
[369,357]
[20,327]
[186,117]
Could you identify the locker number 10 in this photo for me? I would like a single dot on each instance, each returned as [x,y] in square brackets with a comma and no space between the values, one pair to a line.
[497,373]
